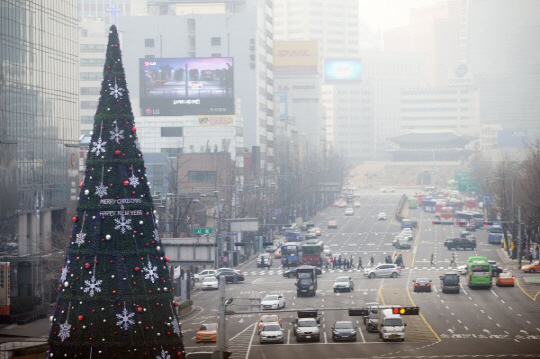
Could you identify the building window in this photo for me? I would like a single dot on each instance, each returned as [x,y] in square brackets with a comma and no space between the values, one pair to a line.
[215,41]
[91,76]
[87,119]
[93,48]
[89,104]
[92,62]
[171,131]
[202,176]
[90,90]
[149,43]
[216,55]
[171,152]
[149,56]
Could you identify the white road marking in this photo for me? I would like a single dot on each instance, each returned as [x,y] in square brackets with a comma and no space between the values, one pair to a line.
[510,308]
[465,327]
[495,294]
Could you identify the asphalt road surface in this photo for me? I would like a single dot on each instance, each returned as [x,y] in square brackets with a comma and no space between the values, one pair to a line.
[496,322]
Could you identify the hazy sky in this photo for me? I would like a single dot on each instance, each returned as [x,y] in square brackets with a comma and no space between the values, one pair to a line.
[386,14]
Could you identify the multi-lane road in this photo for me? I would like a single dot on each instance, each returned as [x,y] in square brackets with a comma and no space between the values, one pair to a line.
[496,322]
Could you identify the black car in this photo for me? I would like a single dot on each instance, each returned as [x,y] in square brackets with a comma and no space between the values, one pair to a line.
[231,275]
[495,269]
[422,285]
[460,243]
[291,273]
[343,330]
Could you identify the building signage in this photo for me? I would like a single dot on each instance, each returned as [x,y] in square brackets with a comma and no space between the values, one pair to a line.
[215,120]
[295,56]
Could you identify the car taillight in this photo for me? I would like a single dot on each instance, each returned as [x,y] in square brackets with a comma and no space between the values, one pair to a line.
[428,284]
[416,284]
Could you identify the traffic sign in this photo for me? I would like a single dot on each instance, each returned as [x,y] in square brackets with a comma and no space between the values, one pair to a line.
[203,230]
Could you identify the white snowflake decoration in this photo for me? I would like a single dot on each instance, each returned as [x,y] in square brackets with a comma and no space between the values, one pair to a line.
[116,91]
[99,146]
[150,272]
[164,355]
[64,331]
[122,224]
[124,319]
[92,286]
[80,238]
[63,276]
[156,234]
[117,134]
[134,181]
[176,327]
[137,145]
[101,190]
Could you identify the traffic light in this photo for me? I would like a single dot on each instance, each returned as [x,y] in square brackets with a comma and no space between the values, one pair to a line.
[406,310]
[358,312]
[461,223]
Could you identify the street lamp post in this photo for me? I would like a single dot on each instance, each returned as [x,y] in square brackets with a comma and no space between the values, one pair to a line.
[218,232]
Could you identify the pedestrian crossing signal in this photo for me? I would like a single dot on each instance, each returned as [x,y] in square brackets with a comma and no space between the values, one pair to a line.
[406,310]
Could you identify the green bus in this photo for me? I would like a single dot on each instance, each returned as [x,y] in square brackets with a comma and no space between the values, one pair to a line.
[479,272]
[413,203]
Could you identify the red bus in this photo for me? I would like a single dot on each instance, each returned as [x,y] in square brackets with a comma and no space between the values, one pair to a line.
[312,252]
[469,203]
[447,215]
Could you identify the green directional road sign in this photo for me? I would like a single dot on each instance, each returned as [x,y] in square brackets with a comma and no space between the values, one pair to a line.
[203,230]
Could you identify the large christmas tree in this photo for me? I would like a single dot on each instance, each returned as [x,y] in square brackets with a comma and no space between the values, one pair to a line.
[115,295]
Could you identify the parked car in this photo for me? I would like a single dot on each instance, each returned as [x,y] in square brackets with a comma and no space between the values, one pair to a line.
[209,283]
[267,319]
[271,333]
[273,301]
[343,330]
[505,279]
[332,224]
[207,332]
[204,273]
[344,283]
[531,268]
[382,216]
[422,285]
[383,270]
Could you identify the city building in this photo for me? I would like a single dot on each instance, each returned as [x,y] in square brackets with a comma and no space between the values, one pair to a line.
[39,128]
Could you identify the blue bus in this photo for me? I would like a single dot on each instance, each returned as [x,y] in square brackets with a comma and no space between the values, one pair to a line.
[495,234]
[291,254]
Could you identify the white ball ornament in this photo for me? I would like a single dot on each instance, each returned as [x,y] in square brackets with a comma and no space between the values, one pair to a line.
[86,192]
[51,318]
[91,133]
[66,284]
[141,222]
[108,237]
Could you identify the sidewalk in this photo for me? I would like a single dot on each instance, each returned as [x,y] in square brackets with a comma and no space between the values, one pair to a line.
[36,331]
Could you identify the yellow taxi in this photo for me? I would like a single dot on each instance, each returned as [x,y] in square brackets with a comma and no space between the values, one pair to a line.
[531,268]
[207,332]
[266,319]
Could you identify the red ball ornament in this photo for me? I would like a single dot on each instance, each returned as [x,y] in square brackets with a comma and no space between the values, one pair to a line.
[117,152]
[133,129]
[126,183]
[166,259]
[176,304]
[133,192]
[113,292]
[80,318]
[74,219]
[86,265]
[179,354]
[137,269]
[139,309]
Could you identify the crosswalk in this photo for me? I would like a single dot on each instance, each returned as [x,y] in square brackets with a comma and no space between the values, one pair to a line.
[279,272]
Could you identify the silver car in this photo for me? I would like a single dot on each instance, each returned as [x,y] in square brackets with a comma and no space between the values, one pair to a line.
[383,270]
[271,333]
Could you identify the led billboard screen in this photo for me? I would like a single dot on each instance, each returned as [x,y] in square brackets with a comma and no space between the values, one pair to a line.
[186,86]
[342,70]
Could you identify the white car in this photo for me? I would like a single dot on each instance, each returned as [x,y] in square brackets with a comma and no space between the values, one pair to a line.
[327,251]
[462,269]
[383,270]
[271,333]
[349,212]
[273,301]
[382,216]
[344,283]
[209,283]
[204,273]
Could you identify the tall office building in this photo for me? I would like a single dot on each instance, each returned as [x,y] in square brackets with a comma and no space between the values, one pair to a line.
[38,134]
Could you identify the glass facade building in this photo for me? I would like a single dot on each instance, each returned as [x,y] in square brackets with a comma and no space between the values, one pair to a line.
[38,132]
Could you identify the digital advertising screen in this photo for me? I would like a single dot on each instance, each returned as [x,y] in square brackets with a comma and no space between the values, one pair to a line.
[187,86]
[342,70]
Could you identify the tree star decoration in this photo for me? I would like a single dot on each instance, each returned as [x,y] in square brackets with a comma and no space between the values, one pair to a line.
[92,286]
[124,319]
[164,355]
[117,134]
[176,327]
[122,224]
[64,331]
[80,238]
[101,190]
[134,181]
[116,91]
[150,272]
[99,147]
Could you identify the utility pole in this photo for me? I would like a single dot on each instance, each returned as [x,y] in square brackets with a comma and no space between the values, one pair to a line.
[218,231]
[221,339]
[519,236]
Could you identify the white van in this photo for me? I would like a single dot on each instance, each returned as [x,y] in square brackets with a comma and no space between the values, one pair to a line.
[391,326]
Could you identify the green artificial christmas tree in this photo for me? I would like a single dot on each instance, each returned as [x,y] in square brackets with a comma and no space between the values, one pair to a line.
[115,295]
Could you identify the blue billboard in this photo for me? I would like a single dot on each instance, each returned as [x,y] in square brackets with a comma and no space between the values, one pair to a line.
[342,70]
